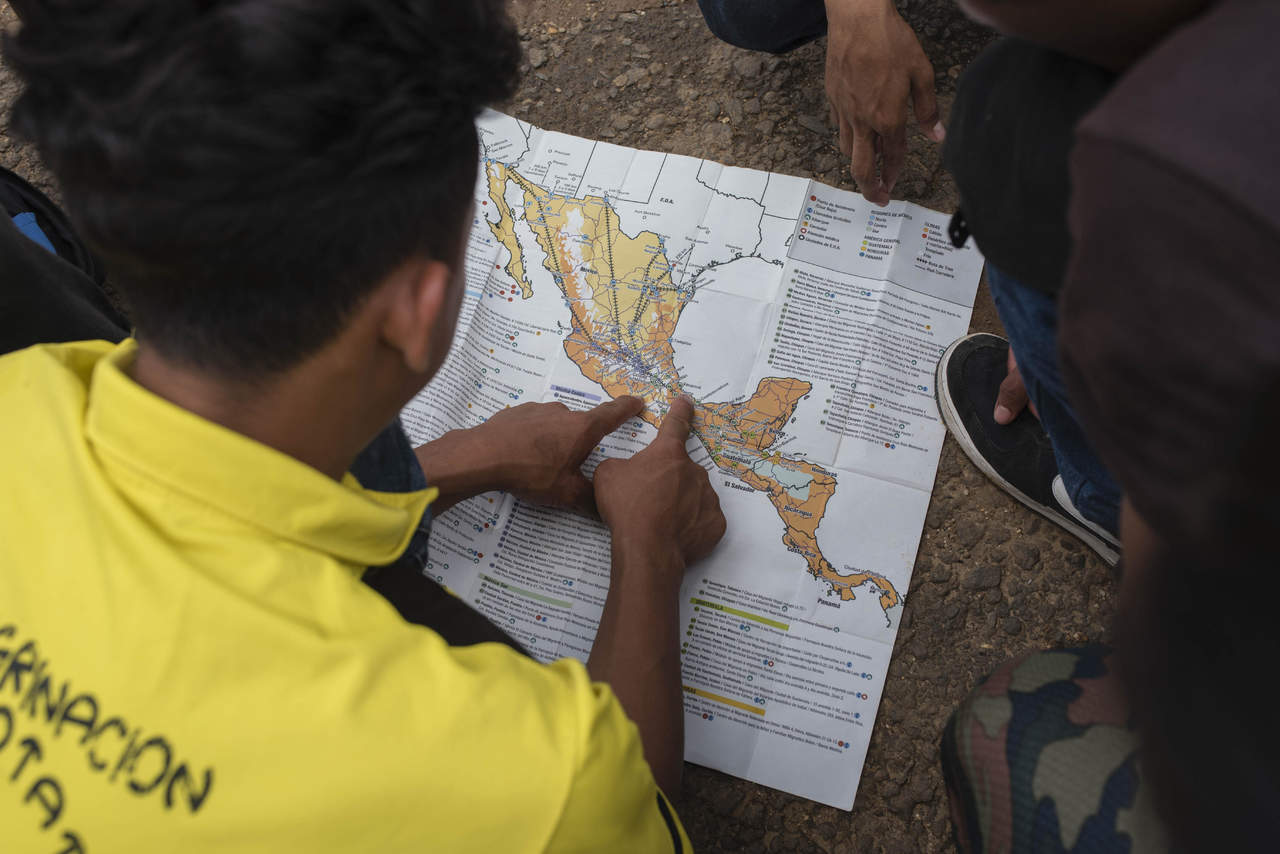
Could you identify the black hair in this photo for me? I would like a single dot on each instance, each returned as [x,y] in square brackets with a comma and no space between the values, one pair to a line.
[250,169]
[1199,646]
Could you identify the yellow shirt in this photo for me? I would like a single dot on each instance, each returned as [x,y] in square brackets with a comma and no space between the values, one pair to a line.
[190,662]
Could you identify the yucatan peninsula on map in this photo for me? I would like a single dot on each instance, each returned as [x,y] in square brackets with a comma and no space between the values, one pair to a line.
[625,307]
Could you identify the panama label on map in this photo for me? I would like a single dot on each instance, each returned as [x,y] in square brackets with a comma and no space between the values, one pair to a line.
[805,323]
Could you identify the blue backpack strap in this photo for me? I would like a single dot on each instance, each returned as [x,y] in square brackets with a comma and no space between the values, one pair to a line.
[37,217]
[30,227]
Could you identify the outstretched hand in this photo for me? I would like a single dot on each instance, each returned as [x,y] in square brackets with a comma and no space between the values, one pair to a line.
[660,500]
[875,65]
[545,444]
[535,451]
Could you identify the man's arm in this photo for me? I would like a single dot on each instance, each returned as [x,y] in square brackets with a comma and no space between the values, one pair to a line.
[664,515]
[875,66]
[637,651]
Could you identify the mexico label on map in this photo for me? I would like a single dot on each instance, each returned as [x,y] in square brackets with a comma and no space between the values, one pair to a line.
[806,324]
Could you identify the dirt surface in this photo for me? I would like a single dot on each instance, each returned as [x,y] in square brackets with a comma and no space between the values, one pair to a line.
[992,579]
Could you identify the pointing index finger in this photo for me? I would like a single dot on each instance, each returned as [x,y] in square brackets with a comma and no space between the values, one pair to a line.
[608,417]
[678,423]
[864,166]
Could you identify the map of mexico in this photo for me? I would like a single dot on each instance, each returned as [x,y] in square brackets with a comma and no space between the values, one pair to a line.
[595,271]
[625,310]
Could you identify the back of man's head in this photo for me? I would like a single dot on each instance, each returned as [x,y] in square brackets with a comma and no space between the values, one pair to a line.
[250,169]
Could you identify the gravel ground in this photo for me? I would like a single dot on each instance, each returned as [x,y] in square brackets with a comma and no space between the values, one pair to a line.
[992,579]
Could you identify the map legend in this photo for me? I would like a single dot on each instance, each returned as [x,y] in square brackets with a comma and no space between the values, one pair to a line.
[902,243]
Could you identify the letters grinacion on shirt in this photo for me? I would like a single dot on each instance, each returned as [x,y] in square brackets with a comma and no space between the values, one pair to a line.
[140,762]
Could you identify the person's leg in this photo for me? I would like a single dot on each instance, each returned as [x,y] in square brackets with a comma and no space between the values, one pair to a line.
[1040,757]
[776,26]
[1030,319]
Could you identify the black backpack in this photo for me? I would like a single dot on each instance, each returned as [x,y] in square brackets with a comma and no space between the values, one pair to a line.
[26,205]
[51,285]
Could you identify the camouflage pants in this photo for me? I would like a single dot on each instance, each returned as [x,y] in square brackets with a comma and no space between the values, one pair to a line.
[1042,757]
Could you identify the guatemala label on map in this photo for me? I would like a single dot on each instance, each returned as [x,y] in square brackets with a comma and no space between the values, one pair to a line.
[806,323]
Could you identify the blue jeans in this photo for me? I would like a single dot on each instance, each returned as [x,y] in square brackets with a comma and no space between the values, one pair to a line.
[1030,319]
[776,26]
[388,464]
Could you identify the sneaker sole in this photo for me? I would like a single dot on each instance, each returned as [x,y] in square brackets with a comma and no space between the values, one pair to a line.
[954,426]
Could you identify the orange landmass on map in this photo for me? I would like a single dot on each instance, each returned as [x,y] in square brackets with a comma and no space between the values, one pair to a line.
[624,308]
[738,436]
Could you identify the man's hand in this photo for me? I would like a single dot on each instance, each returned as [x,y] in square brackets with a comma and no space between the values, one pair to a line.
[659,500]
[874,64]
[534,451]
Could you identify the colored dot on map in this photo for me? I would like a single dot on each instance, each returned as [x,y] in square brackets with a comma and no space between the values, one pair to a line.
[704,716]
[862,255]
[857,714]
[497,266]
[813,198]
[840,743]
[486,524]
[486,204]
[480,555]
[510,299]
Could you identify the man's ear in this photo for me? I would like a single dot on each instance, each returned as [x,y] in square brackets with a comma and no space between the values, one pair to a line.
[416,301]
